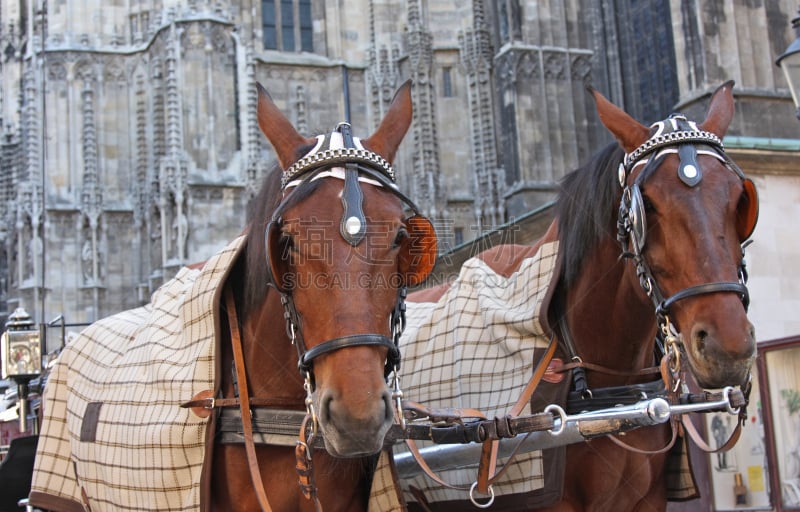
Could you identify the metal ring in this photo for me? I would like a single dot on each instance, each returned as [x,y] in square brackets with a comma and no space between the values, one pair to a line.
[397,395]
[726,392]
[481,505]
[307,448]
[561,414]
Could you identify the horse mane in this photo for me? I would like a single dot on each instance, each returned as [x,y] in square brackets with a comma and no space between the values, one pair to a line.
[586,208]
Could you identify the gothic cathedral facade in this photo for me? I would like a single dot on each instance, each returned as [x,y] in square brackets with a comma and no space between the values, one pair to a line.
[130,145]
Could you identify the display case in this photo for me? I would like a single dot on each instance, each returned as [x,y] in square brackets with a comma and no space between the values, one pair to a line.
[740,476]
[778,366]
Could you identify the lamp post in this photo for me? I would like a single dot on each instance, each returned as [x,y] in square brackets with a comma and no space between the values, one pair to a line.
[21,357]
[789,61]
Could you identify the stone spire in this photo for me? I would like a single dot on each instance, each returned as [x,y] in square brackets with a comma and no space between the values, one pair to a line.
[476,59]
[174,166]
[426,181]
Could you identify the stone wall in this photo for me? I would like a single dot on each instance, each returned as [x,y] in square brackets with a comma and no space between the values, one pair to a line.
[130,145]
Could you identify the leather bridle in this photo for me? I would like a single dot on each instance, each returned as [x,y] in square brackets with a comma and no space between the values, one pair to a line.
[359,165]
[673,135]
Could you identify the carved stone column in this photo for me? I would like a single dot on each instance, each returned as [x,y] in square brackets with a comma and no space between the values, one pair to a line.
[426,180]
[476,59]
[173,168]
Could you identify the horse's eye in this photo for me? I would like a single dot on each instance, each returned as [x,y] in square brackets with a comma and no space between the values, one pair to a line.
[287,244]
[402,234]
[648,205]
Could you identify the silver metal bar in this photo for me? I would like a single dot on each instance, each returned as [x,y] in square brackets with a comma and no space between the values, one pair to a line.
[567,430]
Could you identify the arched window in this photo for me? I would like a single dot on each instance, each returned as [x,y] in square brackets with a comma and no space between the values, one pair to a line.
[287,25]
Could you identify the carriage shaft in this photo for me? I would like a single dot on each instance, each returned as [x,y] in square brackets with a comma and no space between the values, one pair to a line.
[575,429]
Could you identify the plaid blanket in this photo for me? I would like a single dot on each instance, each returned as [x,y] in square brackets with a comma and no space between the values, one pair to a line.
[473,348]
[113,435]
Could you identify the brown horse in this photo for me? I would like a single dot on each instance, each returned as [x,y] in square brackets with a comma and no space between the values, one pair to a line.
[339,253]
[686,210]
[316,282]
[681,210]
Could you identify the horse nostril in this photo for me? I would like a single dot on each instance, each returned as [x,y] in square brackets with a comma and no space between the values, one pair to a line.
[700,337]
[388,406]
[325,407]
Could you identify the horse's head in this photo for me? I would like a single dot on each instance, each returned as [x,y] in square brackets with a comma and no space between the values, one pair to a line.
[686,210]
[341,252]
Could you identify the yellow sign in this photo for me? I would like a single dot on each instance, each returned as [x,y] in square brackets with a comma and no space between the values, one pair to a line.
[755,477]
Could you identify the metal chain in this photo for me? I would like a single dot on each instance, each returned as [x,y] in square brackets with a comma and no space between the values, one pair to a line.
[338,156]
[310,403]
[673,352]
[670,139]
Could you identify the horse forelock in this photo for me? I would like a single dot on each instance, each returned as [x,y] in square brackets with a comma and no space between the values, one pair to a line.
[586,209]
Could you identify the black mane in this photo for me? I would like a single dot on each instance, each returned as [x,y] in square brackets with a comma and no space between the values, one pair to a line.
[586,208]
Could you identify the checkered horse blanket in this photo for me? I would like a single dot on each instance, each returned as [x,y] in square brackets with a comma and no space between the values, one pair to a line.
[113,435]
[473,347]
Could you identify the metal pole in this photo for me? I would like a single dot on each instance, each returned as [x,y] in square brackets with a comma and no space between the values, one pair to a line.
[567,430]
[346,92]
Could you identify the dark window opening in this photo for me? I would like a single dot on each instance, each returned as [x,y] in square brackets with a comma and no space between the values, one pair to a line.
[447,82]
[287,25]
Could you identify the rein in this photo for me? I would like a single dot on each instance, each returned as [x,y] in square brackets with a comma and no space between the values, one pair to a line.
[244,403]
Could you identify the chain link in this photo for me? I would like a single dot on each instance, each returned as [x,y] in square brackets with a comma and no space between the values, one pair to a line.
[670,139]
[310,403]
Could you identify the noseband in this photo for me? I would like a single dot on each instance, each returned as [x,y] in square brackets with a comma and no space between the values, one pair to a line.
[673,135]
[340,155]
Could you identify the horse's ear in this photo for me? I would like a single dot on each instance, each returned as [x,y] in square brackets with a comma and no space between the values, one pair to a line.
[418,250]
[629,132]
[394,125]
[720,110]
[279,130]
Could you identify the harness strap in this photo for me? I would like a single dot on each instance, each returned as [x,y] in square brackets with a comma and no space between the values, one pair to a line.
[415,411]
[200,401]
[244,403]
[305,465]
[488,464]
[633,449]
[487,473]
[606,370]
[690,429]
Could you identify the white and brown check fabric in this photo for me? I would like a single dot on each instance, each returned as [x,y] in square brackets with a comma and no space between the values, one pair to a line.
[114,436]
[473,348]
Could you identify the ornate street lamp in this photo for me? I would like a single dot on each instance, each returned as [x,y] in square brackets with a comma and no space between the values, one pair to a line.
[789,61]
[21,357]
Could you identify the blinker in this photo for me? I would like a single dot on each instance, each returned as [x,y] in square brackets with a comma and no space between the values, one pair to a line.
[638,218]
